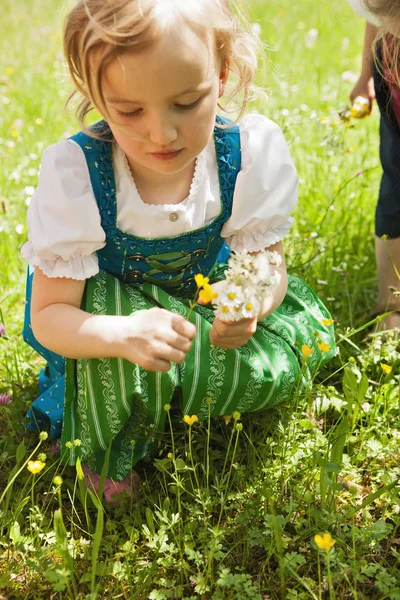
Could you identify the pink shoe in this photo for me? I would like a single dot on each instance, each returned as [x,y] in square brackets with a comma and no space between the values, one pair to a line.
[114,491]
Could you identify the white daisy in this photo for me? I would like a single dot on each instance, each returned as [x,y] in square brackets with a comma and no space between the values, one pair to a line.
[250,308]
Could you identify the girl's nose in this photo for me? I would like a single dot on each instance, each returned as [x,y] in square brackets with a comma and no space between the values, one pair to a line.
[162,130]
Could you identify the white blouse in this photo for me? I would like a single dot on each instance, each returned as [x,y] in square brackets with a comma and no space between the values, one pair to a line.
[359,8]
[64,226]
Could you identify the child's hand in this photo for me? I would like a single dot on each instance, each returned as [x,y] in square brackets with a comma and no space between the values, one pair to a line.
[232,334]
[155,338]
[365,88]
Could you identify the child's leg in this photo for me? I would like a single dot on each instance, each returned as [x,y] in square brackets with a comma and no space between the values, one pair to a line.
[388,268]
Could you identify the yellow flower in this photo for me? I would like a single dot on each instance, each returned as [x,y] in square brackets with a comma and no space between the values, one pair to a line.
[77,442]
[227,419]
[387,369]
[206,295]
[200,280]
[35,466]
[169,455]
[324,347]
[9,70]
[57,480]
[190,420]
[68,444]
[39,121]
[361,107]
[324,542]
[306,350]
[327,322]
[15,133]
[225,309]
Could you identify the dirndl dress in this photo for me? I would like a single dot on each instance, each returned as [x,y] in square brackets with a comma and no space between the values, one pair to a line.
[113,406]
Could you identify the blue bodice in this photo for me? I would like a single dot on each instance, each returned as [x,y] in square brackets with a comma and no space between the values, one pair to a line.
[171,262]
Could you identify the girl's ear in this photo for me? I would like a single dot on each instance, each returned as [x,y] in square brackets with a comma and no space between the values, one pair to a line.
[223,77]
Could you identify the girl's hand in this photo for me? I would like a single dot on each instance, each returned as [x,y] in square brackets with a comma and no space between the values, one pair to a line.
[232,334]
[155,338]
[365,88]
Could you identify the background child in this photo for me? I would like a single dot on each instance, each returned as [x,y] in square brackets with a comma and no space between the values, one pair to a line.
[128,212]
[384,81]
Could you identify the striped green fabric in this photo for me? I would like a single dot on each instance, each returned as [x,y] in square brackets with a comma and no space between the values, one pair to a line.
[112,403]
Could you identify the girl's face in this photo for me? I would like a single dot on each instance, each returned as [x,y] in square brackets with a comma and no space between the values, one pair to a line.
[162,101]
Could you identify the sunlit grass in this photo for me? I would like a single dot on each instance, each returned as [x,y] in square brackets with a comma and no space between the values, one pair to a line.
[230,509]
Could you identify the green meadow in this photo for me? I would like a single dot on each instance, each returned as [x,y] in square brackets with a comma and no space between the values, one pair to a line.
[230,509]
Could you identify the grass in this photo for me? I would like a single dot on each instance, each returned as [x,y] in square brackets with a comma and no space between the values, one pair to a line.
[229,510]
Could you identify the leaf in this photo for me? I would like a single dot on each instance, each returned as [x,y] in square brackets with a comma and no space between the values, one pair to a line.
[150,521]
[180,465]
[15,532]
[20,452]
[339,442]
[58,580]
[306,424]
[98,534]
[331,467]
[162,464]
[350,383]
[362,388]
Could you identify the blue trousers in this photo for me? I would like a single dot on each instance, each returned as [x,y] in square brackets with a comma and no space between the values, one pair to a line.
[387,215]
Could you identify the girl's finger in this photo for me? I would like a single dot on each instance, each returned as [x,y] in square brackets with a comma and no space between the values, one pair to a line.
[157,365]
[226,342]
[183,327]
[177,341]
[236,329]
[166,352]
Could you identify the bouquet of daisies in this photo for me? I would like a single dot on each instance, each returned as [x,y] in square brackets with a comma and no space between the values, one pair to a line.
[248,281]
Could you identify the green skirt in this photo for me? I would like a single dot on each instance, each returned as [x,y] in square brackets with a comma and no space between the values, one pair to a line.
[116,406]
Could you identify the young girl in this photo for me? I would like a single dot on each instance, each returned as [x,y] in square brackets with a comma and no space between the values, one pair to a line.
[381,77]
[127,212]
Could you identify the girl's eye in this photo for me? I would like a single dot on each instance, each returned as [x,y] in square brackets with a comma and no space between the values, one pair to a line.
[188,106]
[128,115]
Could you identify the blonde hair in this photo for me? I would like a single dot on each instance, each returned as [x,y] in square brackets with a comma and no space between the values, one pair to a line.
[387,43]
[105,29]
[383,8]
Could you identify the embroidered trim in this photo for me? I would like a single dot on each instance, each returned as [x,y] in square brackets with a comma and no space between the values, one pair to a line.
[198,176]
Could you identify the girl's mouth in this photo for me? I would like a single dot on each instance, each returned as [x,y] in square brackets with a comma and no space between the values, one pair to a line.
[168,155]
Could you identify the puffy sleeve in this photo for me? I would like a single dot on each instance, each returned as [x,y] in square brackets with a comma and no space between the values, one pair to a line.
[64,228]
[266,188]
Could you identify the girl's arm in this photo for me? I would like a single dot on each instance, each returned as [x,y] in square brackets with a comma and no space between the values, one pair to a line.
[234,334]
[272,302]
[151,341]
[365,84]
